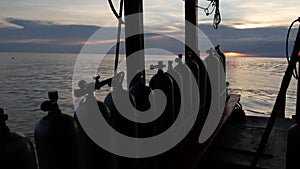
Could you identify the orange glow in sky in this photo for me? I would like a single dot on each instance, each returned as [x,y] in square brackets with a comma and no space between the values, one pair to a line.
[235,54]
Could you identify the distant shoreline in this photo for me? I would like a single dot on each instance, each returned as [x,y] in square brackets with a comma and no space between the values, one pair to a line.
[124,54]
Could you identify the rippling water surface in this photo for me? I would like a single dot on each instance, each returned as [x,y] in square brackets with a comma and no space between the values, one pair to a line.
[258,81]
[25,80]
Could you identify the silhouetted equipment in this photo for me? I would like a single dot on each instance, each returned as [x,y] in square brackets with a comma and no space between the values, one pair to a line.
[191,28]
[293,146]
[16,151]
[217,17]
[238,114]
[177,87]
[193,61]
[140,93]
[222,56]
[56,138]
[88,88]
[120,22]
[175,76]
[134,33]
[200,73]
[164,82]
[279,106]
[135,55]
[185,75]
[120,100]
[120,96]
[94,156]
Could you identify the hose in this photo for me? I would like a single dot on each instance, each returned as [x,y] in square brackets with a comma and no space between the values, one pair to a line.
[120,22]
[113,9]
[295,74]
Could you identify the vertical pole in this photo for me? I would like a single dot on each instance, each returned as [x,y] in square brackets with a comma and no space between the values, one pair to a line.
[134,29]
[191,26]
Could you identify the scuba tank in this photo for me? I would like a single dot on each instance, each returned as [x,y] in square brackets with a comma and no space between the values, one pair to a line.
[187,82]
[177,85]
[140,93]
[94,156]
[87,90]
[97,156]
[221,56]
[170,83]
[164,81]
[184,74]
[215,55]
[16,151]
[119,96]
[200,73]
[56,138]
[121,100]
[143,97]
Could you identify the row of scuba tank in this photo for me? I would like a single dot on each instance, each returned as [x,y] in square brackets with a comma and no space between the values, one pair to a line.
[61,142]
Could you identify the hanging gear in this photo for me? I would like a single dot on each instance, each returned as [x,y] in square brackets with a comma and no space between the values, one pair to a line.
[215,4]
[217,16]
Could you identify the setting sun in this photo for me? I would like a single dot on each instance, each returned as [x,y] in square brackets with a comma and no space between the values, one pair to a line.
[235,54]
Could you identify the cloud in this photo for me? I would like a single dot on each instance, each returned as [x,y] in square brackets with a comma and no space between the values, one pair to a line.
[262,13]
[267,41]
[95,12]
[41,36]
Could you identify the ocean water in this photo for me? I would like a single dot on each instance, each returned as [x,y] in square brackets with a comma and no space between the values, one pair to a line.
[26,78]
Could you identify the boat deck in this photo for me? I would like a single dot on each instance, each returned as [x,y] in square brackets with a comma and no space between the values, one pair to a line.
[236,144]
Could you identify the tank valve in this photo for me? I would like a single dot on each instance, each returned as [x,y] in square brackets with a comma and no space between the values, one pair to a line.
[159,66]
[179,59]
[86,88]
[51,104]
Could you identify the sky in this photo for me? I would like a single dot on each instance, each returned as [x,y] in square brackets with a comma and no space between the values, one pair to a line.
[254,27]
